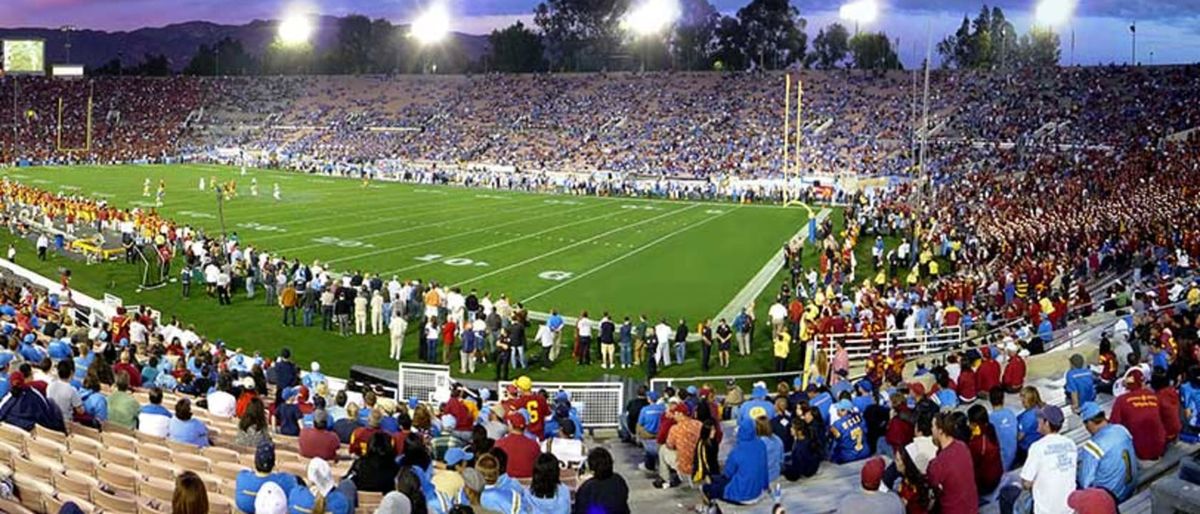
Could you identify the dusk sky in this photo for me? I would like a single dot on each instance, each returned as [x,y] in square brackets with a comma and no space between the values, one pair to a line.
[1170,29]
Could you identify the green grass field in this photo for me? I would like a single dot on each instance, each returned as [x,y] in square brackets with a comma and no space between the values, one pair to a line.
[625,256]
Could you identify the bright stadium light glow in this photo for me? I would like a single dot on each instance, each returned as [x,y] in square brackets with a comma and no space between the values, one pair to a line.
[861,11]
[651,16]
[295,29]
[432,25]
[1054,12]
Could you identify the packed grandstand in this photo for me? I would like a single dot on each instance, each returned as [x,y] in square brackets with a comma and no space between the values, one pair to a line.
[1054,224]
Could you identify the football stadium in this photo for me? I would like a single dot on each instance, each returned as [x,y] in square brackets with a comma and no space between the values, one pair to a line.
[566,257]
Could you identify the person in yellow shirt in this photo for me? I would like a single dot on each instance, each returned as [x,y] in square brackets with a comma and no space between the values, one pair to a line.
[933,269]
[783,343]
[1193,297]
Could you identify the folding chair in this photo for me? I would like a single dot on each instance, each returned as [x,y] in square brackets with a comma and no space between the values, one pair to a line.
[81,462]
[13,435]
[37,468]
[122,479]
[41,432]
[154,451]
[12,507]
[156,469]
[86,445]
[32,492]
[369,501]
[113,501]
[219,504]
[119,441]
[78,430]
[157,488]
[118,456]
[46,448]
[75,483]
[216,454]
[227,471]
[55,502]
[191,462]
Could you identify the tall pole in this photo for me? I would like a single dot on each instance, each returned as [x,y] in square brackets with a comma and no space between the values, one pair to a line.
[925,108]
[1072,45]
[787,132]
[1133,44]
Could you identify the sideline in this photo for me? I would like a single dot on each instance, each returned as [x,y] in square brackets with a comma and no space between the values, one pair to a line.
[759,282]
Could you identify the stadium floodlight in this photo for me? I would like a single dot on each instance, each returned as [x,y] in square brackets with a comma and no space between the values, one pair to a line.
[651,17]
[295,29]
[431,26]
[859,11]
[1053,13]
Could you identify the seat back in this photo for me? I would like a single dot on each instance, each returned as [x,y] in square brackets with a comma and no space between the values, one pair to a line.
[113,501]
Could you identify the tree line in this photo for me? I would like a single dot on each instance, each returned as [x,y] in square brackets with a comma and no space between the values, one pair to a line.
[588,35]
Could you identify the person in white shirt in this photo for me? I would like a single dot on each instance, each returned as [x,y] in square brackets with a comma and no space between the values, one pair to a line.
[360,313]
[377,313]
[583,328]
[43,244]
[221,403]
[545,336]
[398,326]
[63,394]
[662,354]
[778,314]
[1048,476]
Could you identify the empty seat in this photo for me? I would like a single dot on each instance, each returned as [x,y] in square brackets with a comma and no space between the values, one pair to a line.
[217,454]
[119,441]
[118,456]
[12,507]
[117,478]
[37,468]
[157,488]
[191,462]
[227,471]
[78,430]
[40,432]
[46,448]
[75,483]
[55,502]
[113,501]
[154,451]
[86,445]
[81,462]
[156,468]
[13,435]
[32,492]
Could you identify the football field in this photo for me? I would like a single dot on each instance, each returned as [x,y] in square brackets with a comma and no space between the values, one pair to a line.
[674,259]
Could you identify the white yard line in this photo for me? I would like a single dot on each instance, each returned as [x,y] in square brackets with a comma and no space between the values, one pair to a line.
[627,255]
[573,245]
[341,229]
[759,282]
[510,241]
[455,235]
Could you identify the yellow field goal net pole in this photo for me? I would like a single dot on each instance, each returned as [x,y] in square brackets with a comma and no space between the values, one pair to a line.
[791,169]
[88,125]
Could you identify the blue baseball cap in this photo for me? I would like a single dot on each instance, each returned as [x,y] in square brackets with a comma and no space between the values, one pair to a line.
[1090,410]
[845,405]
[691,390]
[652,396]
[758,393]
[866,385]
[798,381]
[457,455]
[1052,414]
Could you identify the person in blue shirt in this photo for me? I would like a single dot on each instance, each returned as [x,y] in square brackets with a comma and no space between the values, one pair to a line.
[288,415]
[29,351]
[758,405]
[95,404]
[647,429]
[849,435]
[1027,423]
[946,397]
[1004,420]
[1080,385]
[59,349]
[864,395]
[500,493]
[184,428]
[1189,398]
[6,358]
[313,377]
[1045,331]
[547,494]
[320,494]
[1159,358]
[249,482]
[820,401]
[1107,460]
[745,475]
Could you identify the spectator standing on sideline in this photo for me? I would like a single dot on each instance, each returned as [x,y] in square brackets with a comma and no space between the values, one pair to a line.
[681,334]
[1048,476]
[706,344]
[608,341]
[397,327]
[625,347]
[724,342]
[583,331]
[288,300]
[662,330]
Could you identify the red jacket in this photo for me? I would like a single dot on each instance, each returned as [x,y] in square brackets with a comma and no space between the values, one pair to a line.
[1014,373]
[1168,404]
[967,385]
[985,456]
[988,376]
[900,431]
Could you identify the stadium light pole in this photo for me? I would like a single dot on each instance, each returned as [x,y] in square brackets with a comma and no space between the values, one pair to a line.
[649,19]
[1054,13]
[429,29]
[859,11]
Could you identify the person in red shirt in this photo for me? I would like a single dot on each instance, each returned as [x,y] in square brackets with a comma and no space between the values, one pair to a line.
[521,450]
[1014,371]
[534,404]
[1138,411]
[901,429]
[966,380]
[135,375]
[319,441]
[360,436]
[1168,404]
[985,451]
[988,374]
[951,473]
[449,331]
[463,418]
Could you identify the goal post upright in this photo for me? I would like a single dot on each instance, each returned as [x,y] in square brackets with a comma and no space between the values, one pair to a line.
[791,169]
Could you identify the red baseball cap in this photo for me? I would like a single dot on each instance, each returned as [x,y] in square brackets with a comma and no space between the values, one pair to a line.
[516,420]
[916,388]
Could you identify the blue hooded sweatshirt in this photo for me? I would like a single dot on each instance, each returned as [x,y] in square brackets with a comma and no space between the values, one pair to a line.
[746,467]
